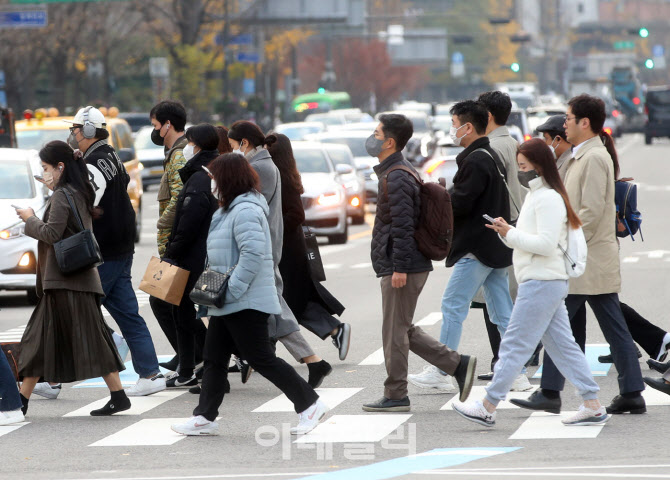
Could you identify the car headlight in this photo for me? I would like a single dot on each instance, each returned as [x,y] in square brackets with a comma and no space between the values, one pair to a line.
[13,232]
[373,176]
[329,199]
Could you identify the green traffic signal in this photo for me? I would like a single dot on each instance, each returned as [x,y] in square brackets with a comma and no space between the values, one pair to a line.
[644,33]
[321,90]
[515,67]
[649,63]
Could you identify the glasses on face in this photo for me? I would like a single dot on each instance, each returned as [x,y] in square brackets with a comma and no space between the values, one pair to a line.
[569,118]
[74,129]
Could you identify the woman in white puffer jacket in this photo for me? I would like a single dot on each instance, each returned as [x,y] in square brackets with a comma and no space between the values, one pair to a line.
[539,311]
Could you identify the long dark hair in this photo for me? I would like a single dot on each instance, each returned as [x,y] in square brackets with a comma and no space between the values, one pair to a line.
[75,173]
[224,144]
[538,153]
[608,141]
[279,147]
[233,176]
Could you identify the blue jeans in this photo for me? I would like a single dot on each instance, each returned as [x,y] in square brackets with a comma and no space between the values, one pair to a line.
[121,302]
[468,277]
[9,393]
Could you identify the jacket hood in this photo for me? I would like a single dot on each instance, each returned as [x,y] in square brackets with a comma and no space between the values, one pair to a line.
[202,158]
[250,197]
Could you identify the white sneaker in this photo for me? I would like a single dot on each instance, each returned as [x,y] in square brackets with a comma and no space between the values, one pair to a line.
[432,378]
[43,389]
[310,418]
[475,412]
[147,386]
[196,426]
[121,346]
[12,416]
[587,416]
[521,384]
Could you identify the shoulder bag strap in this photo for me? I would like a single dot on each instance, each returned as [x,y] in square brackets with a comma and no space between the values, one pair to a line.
[70,200]
[399,167]
[502,176]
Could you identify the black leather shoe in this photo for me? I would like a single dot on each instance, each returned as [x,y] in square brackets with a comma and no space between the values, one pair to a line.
[658,384]
[608,358]
[465,375]
[387,405]
[485,376]
[537,401]
[658,366]
[622,405]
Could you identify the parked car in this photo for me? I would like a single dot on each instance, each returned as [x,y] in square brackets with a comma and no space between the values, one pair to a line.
[440,167]
[355,140]
[325,199]
[136,120]
[18,262]
[298,130]
[353,182]
[538,115]
[657,108]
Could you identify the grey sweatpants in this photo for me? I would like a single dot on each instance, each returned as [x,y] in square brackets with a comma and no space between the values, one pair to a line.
[540,314]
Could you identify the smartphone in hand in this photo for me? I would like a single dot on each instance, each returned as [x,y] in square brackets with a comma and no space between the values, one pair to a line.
[39,178]
[206,170]
[489,218]
[17,207]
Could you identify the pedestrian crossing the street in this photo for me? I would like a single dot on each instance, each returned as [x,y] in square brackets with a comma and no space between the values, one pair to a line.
[142,301]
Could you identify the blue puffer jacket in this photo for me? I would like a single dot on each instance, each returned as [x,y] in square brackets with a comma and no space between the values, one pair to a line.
[240,235]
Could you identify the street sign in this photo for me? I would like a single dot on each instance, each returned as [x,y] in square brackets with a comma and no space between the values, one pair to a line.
[159,67]
[457,57]
[23,19]
[248,57]
[657,51]
[624,45]
[244,39]
[249,86]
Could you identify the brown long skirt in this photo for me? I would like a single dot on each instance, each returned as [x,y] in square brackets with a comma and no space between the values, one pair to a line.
[67,340]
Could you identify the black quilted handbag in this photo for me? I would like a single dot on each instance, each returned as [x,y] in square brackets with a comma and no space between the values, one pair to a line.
[210,289]
[79,251]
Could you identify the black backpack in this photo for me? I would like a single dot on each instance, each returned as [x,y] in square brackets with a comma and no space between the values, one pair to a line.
[628,218]
[435,229]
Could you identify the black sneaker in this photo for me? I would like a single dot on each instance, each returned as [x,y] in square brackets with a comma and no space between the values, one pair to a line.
[387,405]
[170,365]
[485,376]
[465,375]
[341,340]
[608,358]
[245,371]
[179,381]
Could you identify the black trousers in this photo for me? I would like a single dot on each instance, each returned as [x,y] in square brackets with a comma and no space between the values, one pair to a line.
[248,331]
[646,334]
[317,320]
[191,332]
[613,325]
[163,313]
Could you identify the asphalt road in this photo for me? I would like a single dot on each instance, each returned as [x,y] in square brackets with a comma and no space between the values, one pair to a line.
[254,441]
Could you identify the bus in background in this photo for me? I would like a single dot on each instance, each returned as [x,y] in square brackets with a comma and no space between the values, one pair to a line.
[319,102]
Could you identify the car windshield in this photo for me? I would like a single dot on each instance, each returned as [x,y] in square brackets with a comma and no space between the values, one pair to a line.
[143,140]
[340,155]
[659,97]
[311,161]
[357,145]
[516,118]
[15,180]
[325,118]
[36,139]
[298,133]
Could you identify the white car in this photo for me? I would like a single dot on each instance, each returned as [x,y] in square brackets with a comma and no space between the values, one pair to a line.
[440,167]
[325,198]
[353,182]
[298,130]
[18,262]
[538,115]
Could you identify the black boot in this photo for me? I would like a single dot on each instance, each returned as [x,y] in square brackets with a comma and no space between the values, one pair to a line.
[118,403]
[317,372]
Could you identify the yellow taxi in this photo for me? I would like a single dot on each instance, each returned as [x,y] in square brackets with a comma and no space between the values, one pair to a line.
[42,126]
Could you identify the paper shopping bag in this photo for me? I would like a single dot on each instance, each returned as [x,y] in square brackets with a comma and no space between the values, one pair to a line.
[165,281]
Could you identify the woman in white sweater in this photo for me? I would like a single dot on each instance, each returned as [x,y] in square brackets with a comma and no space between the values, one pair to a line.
[539,311]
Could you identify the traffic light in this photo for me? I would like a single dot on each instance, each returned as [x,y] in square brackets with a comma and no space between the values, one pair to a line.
[321,90]
[515,67]
[649,63]
[643,32]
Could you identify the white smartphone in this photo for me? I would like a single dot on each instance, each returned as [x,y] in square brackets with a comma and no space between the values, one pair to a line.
[206,169]
[39,178]
[17,207]
[489,218]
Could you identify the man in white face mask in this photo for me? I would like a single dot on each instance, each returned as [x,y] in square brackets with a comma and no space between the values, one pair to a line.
[553,131]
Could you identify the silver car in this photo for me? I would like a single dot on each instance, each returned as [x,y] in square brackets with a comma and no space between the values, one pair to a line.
[325,198]
[298,130]
[18,262]
[354,182]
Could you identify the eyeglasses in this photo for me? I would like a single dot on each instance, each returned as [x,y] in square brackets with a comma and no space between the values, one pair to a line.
[567,118]
[74,129]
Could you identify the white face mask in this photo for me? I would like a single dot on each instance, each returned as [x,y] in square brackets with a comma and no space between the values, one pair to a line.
[188,152]
[213,187]
[553,148]
[453,133]
[239,150]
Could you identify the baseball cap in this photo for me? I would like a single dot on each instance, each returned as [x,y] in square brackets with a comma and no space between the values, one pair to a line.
[553,124]
[95,117]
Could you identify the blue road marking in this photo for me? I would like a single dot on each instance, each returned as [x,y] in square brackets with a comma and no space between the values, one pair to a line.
[592,352]
[438,458]
[128,377]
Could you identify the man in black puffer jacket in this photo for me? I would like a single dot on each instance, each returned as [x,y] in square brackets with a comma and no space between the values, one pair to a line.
[403,270]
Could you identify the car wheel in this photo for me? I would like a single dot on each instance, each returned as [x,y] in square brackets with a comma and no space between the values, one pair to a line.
[647,140]
[138,224]
[358,219]
[32,296]
[339,238]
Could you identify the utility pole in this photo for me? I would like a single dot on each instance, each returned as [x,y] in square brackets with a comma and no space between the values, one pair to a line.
[224,41]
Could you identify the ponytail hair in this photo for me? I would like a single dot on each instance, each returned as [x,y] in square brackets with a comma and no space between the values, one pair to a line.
[242,129]
[608,141]
[279,148]
[75,172]
[539,155]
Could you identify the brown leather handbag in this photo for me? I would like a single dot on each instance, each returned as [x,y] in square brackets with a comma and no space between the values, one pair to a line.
[11,350]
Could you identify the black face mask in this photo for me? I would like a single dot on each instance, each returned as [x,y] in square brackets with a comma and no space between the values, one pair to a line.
[526,177]
[156,137]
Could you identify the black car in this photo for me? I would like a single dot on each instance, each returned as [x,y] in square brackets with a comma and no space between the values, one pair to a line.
[657,108]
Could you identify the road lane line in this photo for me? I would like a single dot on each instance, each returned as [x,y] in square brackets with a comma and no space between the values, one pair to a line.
[375,358]
[139,405]
[430,319]
[330,396]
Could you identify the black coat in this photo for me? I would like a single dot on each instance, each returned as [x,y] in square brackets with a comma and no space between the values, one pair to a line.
[478,190]
[299,288]
[394,248]
[187,246]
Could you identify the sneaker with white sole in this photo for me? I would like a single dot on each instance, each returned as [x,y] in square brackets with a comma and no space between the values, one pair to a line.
[197,425]
[147,386]
[12,416]
[521,384]
[475,412]
[432,378]
[310,418]
[177,381]
[587,416]
[44,389]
